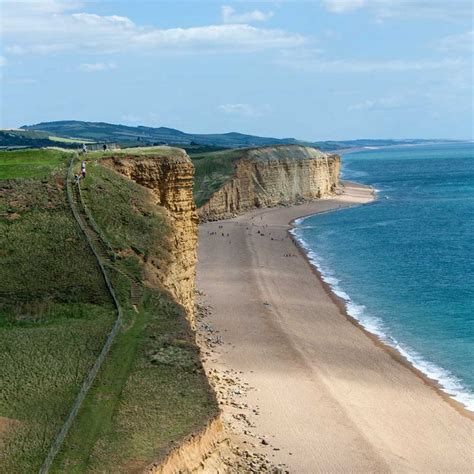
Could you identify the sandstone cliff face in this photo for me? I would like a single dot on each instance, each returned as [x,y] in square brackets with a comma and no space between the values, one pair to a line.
[170,176]
[274,175]
[205,451]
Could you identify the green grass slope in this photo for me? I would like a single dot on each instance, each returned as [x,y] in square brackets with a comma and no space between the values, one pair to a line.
[30,164]
[55,314]
[152,390]
[212,171]
[54,310]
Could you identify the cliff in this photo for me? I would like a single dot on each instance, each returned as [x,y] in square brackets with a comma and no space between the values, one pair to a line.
[207,450]
[168,173]
[268,176]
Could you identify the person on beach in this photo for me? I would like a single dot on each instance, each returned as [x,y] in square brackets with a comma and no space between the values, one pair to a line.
[84,148]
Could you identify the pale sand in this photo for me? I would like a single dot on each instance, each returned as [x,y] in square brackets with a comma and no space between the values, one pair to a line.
[327,392]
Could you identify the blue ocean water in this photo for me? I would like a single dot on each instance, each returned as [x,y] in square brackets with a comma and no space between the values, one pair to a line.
[405,263]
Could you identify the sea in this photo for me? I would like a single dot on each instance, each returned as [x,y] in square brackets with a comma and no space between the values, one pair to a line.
[404,264]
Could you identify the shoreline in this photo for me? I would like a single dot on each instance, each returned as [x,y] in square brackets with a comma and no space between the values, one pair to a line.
[355,149]
[293,370]
[392,351]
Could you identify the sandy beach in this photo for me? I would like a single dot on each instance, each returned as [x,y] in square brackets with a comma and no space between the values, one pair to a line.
[308,387]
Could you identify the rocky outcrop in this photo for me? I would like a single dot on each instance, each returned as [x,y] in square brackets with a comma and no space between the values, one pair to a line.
[268,176]
[169,173]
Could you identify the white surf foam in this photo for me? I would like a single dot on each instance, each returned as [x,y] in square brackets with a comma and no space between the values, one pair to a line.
[449,383]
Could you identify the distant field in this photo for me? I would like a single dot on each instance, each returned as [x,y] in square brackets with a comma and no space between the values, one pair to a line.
[70,140]
[212,171]
[22,164]
[34,139]
[150,135]
[136,151]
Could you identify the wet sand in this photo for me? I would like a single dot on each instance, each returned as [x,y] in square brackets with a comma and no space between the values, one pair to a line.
[322,394]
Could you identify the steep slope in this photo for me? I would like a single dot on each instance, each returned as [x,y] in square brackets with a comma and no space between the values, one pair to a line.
[55,313]
[168,173]
[151,392]
[268,176]
[54,308]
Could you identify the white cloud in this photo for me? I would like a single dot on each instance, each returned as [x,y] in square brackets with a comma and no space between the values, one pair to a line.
[97,67]
[239,109]
[216,37]
[44,6]
[3,61]
[57,29]
[383,9]
[458,42]
[97,21]
[342,6]
[230,16]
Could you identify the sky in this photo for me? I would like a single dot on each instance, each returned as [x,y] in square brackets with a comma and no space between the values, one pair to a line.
[313,70]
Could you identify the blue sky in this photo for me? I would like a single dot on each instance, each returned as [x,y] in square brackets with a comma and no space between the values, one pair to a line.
[315,70]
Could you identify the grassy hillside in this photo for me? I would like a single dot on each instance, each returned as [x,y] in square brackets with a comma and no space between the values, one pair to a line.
[212,171]
[152,390]
[55,314]
[54,310]
[30,164]
[101,131]
[131,136]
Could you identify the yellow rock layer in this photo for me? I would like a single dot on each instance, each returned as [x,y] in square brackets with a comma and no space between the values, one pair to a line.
[268,176]
[170,177]
[203,452]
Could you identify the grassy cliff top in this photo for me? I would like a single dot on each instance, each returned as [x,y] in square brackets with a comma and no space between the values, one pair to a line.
[24,164]
[282,152]
[141,152]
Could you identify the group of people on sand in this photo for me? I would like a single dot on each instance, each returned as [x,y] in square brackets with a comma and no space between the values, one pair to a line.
[215,233]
